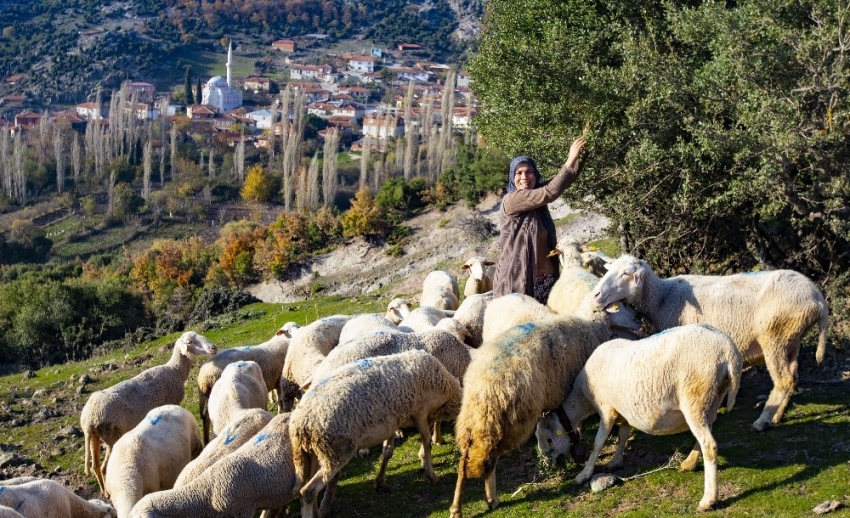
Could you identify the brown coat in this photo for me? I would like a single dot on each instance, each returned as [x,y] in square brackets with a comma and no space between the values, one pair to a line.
[523,240]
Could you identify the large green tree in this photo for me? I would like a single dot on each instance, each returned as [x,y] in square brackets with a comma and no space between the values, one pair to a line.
[718,132]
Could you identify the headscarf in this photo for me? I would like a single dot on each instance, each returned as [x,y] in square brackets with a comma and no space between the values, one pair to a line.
[515,163]
[545,216]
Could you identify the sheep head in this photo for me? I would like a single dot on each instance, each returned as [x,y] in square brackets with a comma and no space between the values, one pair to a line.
[192,344]
[623,281]
[287,329]
[107,510]
[557,437]
[477,267]
[397,310]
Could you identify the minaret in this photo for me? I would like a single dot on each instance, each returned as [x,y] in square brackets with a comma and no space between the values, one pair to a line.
[229,61]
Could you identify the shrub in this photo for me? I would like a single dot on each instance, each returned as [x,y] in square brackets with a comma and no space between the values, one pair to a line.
[364,218]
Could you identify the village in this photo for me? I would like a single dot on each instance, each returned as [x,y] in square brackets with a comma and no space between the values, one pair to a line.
[369,98]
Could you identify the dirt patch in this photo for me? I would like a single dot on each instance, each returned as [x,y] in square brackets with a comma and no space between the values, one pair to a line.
[440,240]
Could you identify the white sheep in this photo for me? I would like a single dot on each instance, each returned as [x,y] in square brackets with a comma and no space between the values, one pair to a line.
[307,349]
[270,355]
[45,498]
[360,405]
[509,310]
[110,413]
[515,378]
[480,276]
[595,260]
[365,324]
[259,475]
[422,318]
[470,313]
[397,310]
[239,429]
[240,387]
[151,456]
[668,383]
[439,290]
[766,314]
[574,281]
[8,512]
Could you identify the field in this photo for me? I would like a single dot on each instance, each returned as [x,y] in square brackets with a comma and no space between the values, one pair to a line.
[784,472]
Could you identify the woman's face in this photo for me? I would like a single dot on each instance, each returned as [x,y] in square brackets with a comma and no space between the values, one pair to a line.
[524,177]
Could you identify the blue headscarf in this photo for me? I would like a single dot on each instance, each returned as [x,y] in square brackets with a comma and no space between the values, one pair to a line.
[545,216]
[515,163]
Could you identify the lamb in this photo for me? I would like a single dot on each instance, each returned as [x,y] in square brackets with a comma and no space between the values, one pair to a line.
[270,355]
[149,457]
[574,281]
[364,325]
[360,405]
[308,348]
[766,314]
[397,310]
[513,379]
[110,413]
[259,475]
[45,498]
[240,428]
[509,310]
[471,315]
[439,290]
[240,387]
[480,277]
[665,384]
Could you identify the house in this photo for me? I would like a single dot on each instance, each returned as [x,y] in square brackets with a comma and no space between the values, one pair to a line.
[463,80]
[323,73]
[27,120]
[382,125]
[69,119]
[347,123]
[14,99]
[349,110]
[285,45]
[357,92]
[320,109]
[462,117]
[144,90]
[263,118]
[371,78]
[14,79]
[409,47]
[200,112]
[144,111]
[257,84]
[362,63]
[90,111]
[411,74]
[314,94]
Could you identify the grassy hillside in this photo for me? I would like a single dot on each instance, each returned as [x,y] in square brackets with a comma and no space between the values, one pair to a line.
[784,472]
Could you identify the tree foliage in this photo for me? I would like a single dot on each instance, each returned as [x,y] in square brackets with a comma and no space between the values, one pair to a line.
[364,218]
[258,185]
[718,132]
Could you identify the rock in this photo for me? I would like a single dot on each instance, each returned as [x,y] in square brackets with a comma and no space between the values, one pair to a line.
[56,452]
[69,432]
[80,389]
[827,507]
[10,459]
[28,374]
[602,481]
[84,379]
[39,393]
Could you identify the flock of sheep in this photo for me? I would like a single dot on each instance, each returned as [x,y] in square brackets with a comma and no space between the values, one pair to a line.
[497,367]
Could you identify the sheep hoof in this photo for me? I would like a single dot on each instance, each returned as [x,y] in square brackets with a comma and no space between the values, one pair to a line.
[759,426]
[705,505]
[433,478]
[382,486]
[493,504]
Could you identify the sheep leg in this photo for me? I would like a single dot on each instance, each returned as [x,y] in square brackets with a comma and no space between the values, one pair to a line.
[437,435]
[606,423]
[490,482]
[425,450]
[311,490]
[389,447]
[205,416]
[622,439]
[456,509]
[279,398]
[698,423]
[330,493]
[690,463]
[783,373]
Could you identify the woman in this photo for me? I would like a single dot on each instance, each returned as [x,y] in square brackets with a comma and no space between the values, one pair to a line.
[527,230]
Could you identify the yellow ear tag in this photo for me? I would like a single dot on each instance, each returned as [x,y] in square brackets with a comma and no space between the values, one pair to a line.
[559,433]
[615,307]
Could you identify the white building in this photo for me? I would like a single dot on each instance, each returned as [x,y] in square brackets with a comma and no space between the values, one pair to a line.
[220,92]
[362,64]
[263,118]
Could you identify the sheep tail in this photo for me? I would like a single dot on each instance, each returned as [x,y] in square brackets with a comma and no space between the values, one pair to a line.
[476,443]
[823,328]
[734,367]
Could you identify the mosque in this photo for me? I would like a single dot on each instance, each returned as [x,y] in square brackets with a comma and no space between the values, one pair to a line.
[219,92]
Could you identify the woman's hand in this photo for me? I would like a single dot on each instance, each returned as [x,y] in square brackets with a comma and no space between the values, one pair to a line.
[575,151]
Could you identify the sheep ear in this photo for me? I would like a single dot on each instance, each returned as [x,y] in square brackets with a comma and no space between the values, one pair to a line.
[280,332]
[555,252]
[465,266]
[185,341]
[489,263]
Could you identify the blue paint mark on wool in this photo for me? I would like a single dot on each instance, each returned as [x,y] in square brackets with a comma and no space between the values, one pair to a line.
[155,419]
[246,348]
[261,437]
[363,364]
[513,336]
[229,437]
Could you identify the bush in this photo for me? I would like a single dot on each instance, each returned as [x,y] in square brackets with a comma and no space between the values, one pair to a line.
[364,218]
[400,198]
[218,300]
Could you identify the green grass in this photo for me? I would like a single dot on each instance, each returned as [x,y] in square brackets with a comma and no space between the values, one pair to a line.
[784,472]
[209,64]
[609,246]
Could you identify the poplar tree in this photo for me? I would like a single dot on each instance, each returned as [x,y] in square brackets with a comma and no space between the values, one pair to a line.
[187,87]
